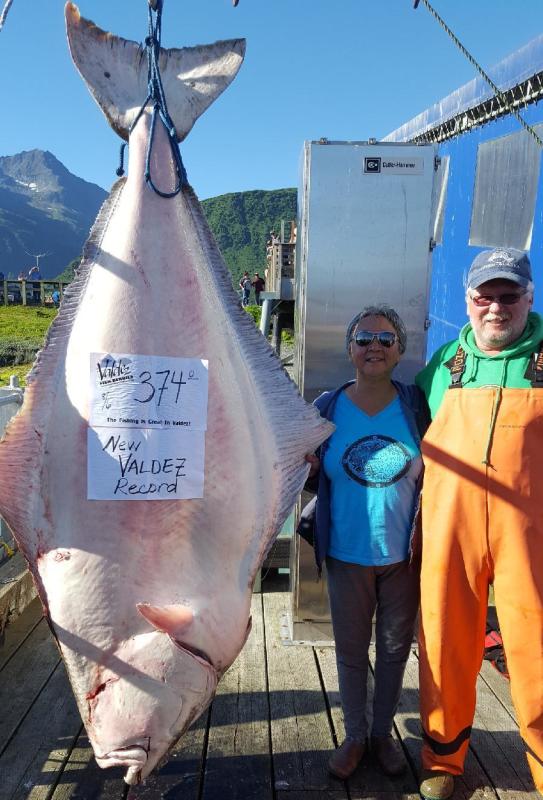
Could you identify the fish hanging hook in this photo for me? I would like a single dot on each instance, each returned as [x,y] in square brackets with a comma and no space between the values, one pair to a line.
[160,112]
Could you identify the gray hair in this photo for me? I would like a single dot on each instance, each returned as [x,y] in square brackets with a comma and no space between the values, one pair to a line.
[379,311]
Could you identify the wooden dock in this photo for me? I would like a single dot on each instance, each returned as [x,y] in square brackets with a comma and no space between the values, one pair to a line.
[267,735]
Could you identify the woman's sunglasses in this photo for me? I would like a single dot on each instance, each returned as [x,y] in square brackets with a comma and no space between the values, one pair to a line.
[364,338]
[484,300]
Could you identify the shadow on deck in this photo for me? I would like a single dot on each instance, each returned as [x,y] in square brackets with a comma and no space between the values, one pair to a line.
[267,735]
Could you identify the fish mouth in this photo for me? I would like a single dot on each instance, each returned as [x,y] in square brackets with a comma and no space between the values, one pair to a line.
[134,757]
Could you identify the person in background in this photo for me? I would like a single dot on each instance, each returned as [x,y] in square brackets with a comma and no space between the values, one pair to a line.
[245,286]
[368,477]
[34,274]
[55,297]
[258,285]
[481,516]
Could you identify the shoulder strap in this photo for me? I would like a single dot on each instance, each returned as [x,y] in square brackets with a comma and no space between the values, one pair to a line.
[456,366]
[534,371]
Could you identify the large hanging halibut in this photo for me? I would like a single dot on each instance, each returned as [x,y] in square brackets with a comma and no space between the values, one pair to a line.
[149,598]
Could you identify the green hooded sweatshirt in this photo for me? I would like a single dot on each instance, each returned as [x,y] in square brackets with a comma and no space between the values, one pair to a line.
[506,369]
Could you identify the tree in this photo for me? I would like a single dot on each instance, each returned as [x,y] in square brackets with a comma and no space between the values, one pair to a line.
[69,273]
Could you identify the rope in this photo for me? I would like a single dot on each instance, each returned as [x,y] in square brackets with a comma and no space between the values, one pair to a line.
[499,94]
[156,96]
[4,14]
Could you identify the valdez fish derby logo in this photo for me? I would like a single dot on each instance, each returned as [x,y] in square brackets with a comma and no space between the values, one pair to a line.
[111,370]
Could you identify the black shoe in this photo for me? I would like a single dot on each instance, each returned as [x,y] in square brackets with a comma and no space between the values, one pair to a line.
[389,755]
[346,758]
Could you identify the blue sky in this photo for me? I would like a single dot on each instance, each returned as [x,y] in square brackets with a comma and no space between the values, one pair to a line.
[348,69]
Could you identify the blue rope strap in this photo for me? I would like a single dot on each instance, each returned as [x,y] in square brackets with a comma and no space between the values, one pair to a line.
[157,97]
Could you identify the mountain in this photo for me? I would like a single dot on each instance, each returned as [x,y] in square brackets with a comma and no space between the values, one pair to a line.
[46,209]
[43,209]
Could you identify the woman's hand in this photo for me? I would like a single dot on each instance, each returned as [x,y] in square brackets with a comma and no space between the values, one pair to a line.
[315,463]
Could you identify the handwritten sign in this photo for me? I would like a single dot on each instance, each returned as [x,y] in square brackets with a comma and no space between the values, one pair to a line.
[127,464]
[147,423]
[138,391]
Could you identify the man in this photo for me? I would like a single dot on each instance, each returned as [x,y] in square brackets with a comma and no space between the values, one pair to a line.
[34,274]
[245,286]
[258,286]
[482,515]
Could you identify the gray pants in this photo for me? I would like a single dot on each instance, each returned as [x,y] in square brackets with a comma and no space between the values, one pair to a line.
[356,592]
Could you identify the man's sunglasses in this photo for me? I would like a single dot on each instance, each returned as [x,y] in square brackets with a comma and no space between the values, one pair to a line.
[364,338]
[508,299]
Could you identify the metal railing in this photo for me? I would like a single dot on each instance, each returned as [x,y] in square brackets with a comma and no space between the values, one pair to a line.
[27,292]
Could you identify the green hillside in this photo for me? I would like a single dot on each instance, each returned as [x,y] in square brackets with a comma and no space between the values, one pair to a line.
[22,331]
[241,223]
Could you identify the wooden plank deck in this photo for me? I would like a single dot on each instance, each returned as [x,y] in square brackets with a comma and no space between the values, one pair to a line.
[267,735]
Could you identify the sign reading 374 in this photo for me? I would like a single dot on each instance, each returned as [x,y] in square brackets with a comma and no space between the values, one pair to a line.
[137,391]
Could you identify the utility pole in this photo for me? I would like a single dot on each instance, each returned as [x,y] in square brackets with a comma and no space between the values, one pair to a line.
[37,256]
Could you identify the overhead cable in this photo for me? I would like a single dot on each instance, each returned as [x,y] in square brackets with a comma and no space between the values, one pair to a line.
[499,94]
[4,14]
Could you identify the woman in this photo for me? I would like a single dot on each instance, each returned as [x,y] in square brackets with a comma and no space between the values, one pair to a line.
[369,478]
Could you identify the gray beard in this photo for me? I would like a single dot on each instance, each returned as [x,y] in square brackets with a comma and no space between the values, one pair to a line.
[501,338]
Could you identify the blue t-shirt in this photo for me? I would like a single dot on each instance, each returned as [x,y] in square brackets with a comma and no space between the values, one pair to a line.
[373,464]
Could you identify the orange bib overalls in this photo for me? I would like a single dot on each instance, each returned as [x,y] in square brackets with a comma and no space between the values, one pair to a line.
[482,524]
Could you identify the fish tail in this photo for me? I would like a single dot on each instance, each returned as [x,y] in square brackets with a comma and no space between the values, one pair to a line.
[115,71]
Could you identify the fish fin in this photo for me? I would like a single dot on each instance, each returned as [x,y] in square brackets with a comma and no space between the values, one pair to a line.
[174,620]
[25,438]
[115,70]
[299,428]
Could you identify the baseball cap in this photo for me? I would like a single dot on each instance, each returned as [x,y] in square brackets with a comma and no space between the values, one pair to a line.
[507,263]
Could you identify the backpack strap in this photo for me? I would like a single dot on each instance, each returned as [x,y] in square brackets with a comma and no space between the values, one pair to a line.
[534,371]
[456,366]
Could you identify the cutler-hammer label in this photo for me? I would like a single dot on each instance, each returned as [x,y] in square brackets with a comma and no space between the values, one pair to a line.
[393,166]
